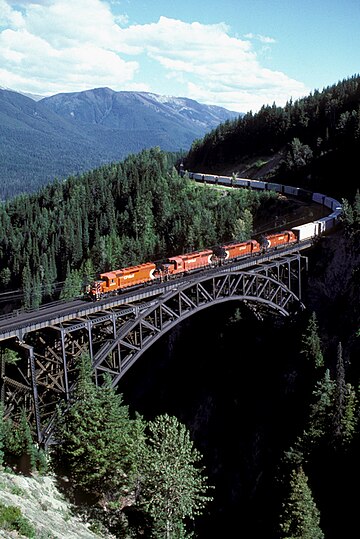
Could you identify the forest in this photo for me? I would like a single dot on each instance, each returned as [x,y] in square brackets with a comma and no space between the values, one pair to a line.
[52,243]
[314,138]
[266,445]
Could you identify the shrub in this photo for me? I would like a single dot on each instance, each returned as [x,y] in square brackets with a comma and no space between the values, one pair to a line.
[11,518]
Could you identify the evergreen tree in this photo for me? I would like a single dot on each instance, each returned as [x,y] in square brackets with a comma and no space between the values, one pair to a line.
[340,396]
[2,433]
[10,357]
[36,295]
[26,440]
[356,211]
[344,415]
[321,409]
[311,344]
[26,286]
[243,226]
[318,425]
[5,276]
[347,215]
[300,518]
[73,286]
[174,487]
[350,420]
[299,154]
[19,446]
[97,446]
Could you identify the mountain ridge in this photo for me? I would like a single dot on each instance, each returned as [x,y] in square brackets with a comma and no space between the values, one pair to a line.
[70,133]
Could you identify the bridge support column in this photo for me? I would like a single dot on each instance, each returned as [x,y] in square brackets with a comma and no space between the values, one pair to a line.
[31,358]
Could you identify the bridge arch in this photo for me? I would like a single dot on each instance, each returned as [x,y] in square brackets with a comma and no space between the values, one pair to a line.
[137,334]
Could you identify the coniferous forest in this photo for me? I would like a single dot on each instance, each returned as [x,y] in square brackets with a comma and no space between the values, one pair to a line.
[254,428]
[116,216]
[312,141]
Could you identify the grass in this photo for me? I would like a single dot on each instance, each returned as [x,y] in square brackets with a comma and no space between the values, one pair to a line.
[12,519]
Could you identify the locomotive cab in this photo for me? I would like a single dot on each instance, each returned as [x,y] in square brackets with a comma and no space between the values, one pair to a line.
[173,266]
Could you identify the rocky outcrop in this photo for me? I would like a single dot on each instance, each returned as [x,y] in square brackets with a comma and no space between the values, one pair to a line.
[44,506]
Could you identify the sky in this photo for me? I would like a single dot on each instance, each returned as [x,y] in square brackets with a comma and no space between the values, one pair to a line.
[237,54]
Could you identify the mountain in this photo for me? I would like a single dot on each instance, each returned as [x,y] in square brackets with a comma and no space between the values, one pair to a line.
[72,132]
[103,106]
[35,97]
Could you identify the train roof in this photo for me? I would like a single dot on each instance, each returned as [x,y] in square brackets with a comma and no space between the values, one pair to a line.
[119,272]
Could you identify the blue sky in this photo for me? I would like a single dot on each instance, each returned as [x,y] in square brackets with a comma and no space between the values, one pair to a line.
[239,54]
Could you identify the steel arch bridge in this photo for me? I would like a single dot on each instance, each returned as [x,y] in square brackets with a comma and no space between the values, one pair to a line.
[115,334]
[152,321]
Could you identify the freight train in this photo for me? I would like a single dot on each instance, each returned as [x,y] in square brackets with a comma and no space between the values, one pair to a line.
[114,282]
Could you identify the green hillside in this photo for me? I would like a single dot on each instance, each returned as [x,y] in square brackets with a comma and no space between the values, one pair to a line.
[313,142]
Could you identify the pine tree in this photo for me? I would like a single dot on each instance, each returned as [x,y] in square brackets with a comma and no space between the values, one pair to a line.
[300,518]
[318,426]
[356,211]
[340,398]
[27,442]
[350,420]
[174,486]
[321,409]
[97,443]
[347,215]
[10,357]
[345,404]
[311,344]
[2,433]
[73,286]
[36,295]
[26,286]
[299,154]
[19,446]
[5,276]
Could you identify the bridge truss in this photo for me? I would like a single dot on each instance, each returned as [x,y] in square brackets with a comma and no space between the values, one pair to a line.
[117,335]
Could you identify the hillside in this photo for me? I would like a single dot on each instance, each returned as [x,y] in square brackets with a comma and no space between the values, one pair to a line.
[70,133]
[44,506]
[312,142]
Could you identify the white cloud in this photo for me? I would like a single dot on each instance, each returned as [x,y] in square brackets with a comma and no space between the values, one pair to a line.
[216,67]
[262,39]
[64,46]
[50,46]
[9,17]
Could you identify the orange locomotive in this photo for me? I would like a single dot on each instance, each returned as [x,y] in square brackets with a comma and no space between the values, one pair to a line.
[114,282]
[274,240]
[234,250]
[191,261]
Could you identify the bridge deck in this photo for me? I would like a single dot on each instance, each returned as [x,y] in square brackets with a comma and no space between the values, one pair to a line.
[16,325]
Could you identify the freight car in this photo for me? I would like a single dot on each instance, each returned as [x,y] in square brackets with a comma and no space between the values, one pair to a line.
[307,231]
